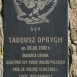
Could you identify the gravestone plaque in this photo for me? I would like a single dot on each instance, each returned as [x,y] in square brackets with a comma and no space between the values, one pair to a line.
[35,38]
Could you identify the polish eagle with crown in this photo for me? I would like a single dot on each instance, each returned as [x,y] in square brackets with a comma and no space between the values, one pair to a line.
[34,11]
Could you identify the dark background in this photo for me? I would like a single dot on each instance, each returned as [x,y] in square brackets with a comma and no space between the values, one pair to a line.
[16,28]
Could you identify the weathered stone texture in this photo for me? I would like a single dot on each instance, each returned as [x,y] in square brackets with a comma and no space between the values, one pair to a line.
[73,35]
[1,43]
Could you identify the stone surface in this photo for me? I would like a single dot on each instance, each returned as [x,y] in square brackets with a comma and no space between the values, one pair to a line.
[73,36]
[72,39]
[1,43]
[73,25]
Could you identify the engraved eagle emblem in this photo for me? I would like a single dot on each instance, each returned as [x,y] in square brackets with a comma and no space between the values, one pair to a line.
[34,11]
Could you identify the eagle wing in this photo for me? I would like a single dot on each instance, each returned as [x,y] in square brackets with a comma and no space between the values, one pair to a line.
[48,1]
[48,4]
